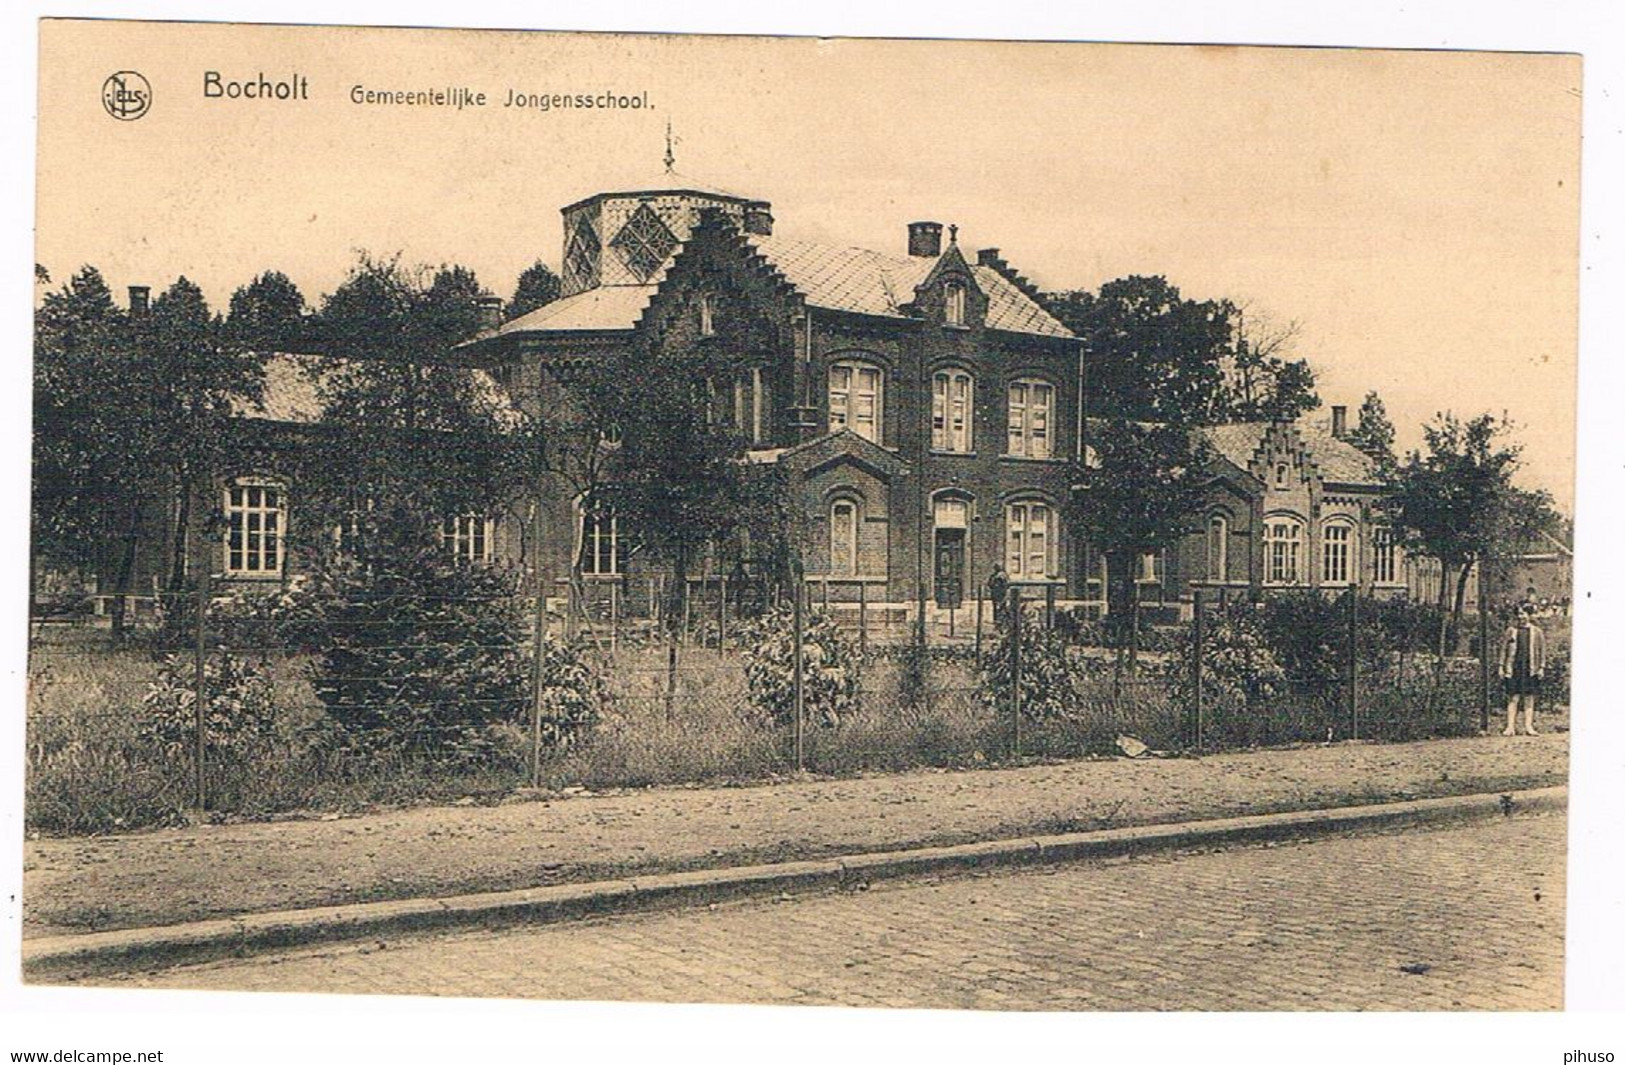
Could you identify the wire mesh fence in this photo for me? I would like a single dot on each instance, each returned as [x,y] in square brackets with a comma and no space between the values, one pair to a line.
[442,698]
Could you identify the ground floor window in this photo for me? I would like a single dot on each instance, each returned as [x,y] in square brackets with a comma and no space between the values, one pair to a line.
[255,520]
[843,538]
[601,549]
[1283,551]
[1336,552]
[1030,534]
[1383,568]
[1218,548]
[468,537]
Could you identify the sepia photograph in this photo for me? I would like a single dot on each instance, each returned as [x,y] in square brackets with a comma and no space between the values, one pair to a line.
[744,520]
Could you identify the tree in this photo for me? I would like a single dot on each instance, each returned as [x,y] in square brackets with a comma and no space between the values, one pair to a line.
[538,286]
[1141,484]
[267,314]
[1156,356]
[1374,434]
[1455,501]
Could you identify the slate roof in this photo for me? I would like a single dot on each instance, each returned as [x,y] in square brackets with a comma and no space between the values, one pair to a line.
[611,307]
[293,385]
[867,282]
[1338,461]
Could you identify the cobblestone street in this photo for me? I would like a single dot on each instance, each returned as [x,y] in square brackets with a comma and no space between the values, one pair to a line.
[1463,918]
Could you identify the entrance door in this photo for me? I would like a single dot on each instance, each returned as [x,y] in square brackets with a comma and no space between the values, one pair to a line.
[950,568]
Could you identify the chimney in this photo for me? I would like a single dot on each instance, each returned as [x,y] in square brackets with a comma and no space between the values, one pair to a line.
[139,298]
[1340,422]
[489,310]
[925,239]
[759,219]
[988,257]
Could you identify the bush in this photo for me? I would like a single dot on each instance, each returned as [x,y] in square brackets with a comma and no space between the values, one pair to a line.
[1052,675]
[1239,667]
[829,668]
[423,651]
[573,693]
[241,711]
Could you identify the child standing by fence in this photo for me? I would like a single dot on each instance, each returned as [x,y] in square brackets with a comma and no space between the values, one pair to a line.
[1523,663]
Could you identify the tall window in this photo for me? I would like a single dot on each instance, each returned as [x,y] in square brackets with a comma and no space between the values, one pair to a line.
[468,537]
[1281,472]
[1030,533]
[748,404]
[1336,552]
[708,325]
[1031,404]
[254,527]
[953,302]
[843,538]
[1218,548]
[952,402]
[600,543]
[855,395]
[1383,568]
[1283,551]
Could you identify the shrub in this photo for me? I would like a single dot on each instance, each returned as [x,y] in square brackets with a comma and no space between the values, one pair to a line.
[573,693]
[421,651]
[241,711]
[1239,667]
[829,668]
[1052,674]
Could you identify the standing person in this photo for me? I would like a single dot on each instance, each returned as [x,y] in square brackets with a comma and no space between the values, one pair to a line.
[998,590]
[1523,663]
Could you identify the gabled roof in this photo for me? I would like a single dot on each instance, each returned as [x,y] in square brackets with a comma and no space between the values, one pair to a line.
[1338,461]
[614,307]
[294,384]
[867,282]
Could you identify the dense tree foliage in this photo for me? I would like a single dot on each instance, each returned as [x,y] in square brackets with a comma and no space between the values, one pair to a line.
[1373,433]
[538,286]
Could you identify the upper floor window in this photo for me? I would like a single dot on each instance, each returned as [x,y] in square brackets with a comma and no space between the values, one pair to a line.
[1152,567]
[601,549]
[1282,472]
[1283,551]
[1218,548]
[1336,552]
[1031,406]
[1030,535]
[856,399]
[1383,556]
[468,537]
[708,325]
[953,302]
[255,519]
[953,394]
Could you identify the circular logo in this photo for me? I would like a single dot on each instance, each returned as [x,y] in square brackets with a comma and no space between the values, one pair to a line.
[126,95]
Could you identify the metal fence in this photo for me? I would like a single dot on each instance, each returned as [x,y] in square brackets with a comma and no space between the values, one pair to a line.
[119,735]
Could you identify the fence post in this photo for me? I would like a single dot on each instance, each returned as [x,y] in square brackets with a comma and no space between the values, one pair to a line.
[1354,662]
[1483,652]
[200,702]
[537,654]
[863,619]
[722,615]
[688,584]
[1015,667]
[981,590]
[614,615]
[1198,645]
[1049,607]
[826,594]
[799,638]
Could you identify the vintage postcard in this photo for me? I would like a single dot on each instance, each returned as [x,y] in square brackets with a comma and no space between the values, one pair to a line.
[766,520]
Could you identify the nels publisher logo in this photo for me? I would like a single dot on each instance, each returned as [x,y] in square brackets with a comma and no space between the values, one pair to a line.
[126,95]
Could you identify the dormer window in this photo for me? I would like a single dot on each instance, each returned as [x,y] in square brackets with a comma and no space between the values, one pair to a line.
[953,302]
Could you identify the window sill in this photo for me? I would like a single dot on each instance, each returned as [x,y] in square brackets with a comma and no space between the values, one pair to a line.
[1029,458]
[821,579]
[255,577]
[941,453]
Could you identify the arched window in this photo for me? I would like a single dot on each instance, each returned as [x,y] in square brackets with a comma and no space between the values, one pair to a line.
[856,398]
[601,549]
[1032,404]
[1218,548]
[1282,470]
[748,404]
[1031,532]
[255,515]
[1337,552]
[953,395]
[708,324]
[843,538]
[953,302]
[1283,550]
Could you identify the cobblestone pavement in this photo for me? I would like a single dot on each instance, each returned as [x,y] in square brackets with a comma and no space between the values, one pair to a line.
[188,874]
[1461,918]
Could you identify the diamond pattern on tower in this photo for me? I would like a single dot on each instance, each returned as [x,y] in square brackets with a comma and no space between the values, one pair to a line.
[644,243]
[581,255]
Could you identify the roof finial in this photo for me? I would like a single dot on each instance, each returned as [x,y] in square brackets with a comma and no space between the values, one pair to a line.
[671,160]
[953,234]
